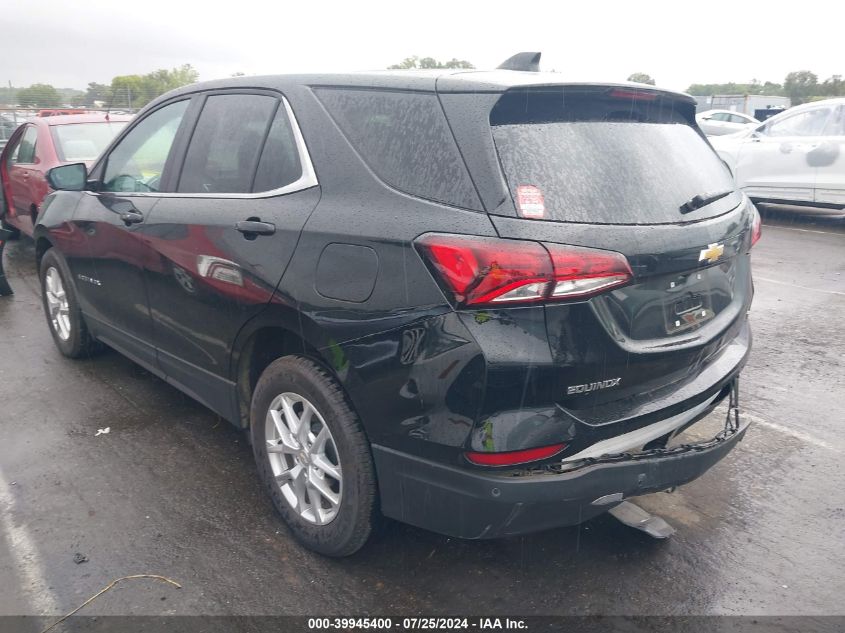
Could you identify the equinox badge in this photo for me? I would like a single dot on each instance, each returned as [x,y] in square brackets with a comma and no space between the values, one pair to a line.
[712,253]
[593,386]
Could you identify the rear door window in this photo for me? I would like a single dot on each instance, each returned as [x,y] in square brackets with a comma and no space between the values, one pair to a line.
[242,143]
[595,157]
[405,139]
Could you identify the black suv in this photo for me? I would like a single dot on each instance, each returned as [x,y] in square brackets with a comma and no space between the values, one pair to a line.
[482,303]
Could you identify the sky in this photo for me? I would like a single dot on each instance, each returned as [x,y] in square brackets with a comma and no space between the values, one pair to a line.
[68,44]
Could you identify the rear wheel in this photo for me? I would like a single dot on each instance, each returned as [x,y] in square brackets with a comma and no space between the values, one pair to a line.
[61,306]
[313,456]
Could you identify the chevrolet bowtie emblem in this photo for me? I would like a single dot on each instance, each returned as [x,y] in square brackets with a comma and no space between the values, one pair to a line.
[712,253]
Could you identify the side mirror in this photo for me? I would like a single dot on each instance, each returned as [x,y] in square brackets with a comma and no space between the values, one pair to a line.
[68,177]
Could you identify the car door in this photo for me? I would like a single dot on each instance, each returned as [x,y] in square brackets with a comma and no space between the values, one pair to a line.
[127,182]
[226,234]
[829,160]
[22,174]
[774,162]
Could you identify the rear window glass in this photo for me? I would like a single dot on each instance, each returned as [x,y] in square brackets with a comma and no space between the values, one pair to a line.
[405,139]
[83,141]
[597,158]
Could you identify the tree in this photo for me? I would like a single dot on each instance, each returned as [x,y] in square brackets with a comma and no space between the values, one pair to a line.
[39,95]
[832,87]
[800,85]
[414,62]
[731,88]
[641,78]
[136,91]
[97,93]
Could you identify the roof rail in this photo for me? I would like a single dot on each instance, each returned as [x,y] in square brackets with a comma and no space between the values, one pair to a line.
[529,62]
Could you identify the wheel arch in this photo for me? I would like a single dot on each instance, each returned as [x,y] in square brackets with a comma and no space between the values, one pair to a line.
[272,335]
[42,245]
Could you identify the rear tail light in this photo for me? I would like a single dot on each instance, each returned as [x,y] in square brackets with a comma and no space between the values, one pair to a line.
[756,227]
[490,271]
[512,458]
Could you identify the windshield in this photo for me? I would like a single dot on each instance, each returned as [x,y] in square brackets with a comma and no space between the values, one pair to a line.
[83,142]
[606,161]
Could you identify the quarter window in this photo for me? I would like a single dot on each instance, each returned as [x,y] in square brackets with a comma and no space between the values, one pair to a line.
[243,143]
[405,139]
[137,163]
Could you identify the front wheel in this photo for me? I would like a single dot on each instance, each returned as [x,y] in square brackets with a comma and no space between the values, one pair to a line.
[313,456]
[61,306]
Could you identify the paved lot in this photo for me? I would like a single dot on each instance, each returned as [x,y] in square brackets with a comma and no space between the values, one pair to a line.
[171,490]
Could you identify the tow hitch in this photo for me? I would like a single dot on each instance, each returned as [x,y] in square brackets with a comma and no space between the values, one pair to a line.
[5,288]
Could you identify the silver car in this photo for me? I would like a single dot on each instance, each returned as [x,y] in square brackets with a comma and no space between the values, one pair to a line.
[719,122]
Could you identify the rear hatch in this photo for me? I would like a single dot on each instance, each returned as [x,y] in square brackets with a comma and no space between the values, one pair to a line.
[626,170]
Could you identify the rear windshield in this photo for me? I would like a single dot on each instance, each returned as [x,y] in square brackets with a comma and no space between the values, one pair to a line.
[81,142]
[606,157]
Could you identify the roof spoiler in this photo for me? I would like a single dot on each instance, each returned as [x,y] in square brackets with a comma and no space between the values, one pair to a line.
[529,62]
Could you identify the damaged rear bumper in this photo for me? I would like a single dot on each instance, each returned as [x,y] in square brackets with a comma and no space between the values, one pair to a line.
[479,504]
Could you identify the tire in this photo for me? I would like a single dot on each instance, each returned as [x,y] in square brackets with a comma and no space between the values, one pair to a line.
[64,317]
[13,232]
[333,528]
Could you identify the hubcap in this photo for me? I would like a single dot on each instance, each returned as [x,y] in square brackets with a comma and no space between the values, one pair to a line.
[304,458]
[57,303]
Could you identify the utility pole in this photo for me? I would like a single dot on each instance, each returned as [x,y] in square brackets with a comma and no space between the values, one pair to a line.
[11,103]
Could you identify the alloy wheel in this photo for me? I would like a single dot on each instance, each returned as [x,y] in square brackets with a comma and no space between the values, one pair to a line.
[57,303]
[304,458]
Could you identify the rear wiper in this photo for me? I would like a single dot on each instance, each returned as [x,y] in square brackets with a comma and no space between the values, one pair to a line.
[702,200]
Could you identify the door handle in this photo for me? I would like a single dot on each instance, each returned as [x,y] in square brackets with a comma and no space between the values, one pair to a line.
[131,217]
[253,228]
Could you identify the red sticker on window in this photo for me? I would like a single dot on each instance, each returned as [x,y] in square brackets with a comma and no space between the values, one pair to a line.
[529,202]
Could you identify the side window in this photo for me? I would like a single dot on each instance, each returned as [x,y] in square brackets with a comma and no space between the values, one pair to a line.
[279,164]
[242,143]
[405,139]
[720,116]
[735,118]
[808,123]
[25,151]
[836,124]
[137,162]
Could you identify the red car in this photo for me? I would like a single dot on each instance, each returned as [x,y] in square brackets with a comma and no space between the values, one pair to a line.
[41,144]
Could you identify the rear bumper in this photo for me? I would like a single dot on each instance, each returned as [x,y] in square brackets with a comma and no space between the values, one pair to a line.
[475,504]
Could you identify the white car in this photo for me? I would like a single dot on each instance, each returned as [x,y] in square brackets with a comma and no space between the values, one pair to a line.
[796,157]
[719,122]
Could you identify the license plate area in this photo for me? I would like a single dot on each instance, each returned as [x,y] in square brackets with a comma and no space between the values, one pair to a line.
[687,312]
